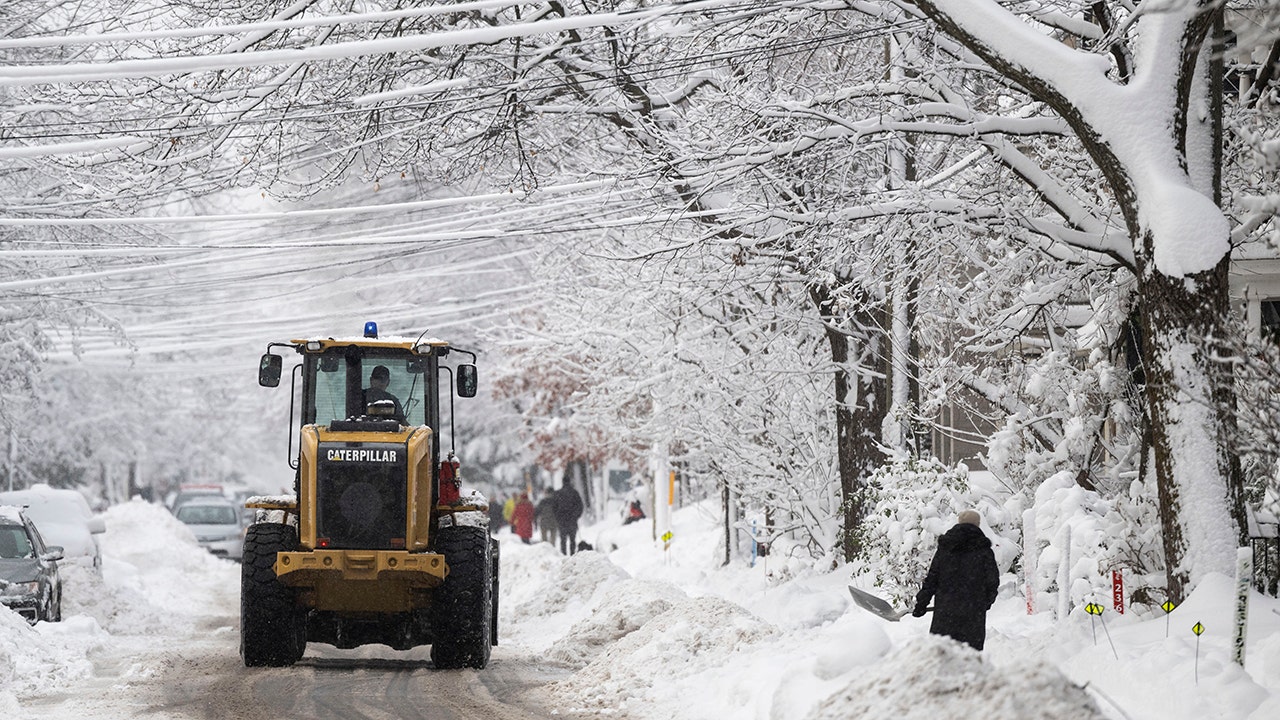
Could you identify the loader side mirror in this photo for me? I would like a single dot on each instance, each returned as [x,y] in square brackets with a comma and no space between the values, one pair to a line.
[269,370]
[467,381]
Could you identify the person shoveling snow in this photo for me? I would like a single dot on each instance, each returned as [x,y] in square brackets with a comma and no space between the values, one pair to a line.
[963,582]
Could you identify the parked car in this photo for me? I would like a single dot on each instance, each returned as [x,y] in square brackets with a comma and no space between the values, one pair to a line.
[187,493]
[216,524]
[64,518]
[29,581]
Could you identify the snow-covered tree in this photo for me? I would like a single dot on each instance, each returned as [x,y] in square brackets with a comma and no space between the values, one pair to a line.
[1134,103]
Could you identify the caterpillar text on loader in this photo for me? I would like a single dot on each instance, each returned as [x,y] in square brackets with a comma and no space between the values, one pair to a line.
[375,546]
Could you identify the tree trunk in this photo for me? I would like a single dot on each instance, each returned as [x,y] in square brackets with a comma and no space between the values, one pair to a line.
[1200,501]
[582,474]
[725,499]
[860,409]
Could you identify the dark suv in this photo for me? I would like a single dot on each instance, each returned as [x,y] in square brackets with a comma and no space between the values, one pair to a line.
[29,580]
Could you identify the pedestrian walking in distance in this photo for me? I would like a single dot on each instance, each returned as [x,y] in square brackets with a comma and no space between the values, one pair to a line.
[568,510]
[962,583]
[522,518]
[545,516]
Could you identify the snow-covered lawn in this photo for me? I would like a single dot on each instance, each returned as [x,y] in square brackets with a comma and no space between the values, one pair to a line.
[672,635]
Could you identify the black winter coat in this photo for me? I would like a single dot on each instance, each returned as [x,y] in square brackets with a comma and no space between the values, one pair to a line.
[962,582]
[568,504]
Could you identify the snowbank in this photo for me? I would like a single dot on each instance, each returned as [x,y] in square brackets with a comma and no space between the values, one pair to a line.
[572,585]
[625,607]
[690,638]
[672,635]
[1190,677]
[155,577]
[47,656]
[155,580]
[932,677]
[643,631]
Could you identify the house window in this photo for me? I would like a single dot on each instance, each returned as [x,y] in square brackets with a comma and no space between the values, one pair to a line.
[1271,319]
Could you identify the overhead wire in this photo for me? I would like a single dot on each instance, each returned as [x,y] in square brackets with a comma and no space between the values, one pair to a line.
[657,72]
[589,220]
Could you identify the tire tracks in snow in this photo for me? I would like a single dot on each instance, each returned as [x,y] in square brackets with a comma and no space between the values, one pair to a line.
[368,684]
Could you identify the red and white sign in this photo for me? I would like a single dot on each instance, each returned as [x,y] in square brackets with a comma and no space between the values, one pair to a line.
[1117,591]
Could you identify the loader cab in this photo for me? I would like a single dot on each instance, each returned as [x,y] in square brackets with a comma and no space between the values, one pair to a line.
[334,382]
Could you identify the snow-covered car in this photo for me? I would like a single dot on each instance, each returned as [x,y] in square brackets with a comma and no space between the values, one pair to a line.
[64,518]
[216,524]
[29,581]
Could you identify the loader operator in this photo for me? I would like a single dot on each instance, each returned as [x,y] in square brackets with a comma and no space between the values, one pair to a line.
[379,378]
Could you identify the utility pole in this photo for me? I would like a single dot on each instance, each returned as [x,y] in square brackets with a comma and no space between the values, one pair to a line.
[898,430]
[11,458]
[661,494]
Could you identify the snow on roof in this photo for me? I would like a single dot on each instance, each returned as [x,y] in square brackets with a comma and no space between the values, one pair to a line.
[41,495]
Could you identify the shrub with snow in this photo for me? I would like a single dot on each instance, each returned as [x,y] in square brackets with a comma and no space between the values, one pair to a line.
[1060,406]
[1094,536]
[910,503]
[1070,444]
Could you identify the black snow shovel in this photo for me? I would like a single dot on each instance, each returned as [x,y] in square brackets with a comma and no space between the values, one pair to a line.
[877,606]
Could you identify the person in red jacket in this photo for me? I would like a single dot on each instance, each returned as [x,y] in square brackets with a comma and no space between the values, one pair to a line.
[522,518]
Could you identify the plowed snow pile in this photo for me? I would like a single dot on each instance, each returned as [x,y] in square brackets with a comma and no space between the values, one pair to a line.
[624,608]
[933,677]
[572,583]
[48,655]
[155,579]
[694,635]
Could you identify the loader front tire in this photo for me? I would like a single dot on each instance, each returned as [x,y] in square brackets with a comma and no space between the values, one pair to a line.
[272,629]
[461,610]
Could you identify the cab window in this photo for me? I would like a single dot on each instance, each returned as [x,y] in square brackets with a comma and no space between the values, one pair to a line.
[405,385]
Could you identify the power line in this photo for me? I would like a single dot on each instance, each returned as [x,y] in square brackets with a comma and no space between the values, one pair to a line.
[653,72]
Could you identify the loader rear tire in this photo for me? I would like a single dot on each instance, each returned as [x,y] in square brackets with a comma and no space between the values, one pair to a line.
[272,628]
[461,611]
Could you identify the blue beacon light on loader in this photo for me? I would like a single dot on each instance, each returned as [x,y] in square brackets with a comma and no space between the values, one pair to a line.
[371,329]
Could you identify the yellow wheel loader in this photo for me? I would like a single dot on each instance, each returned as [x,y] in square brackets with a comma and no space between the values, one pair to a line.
[376,545]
